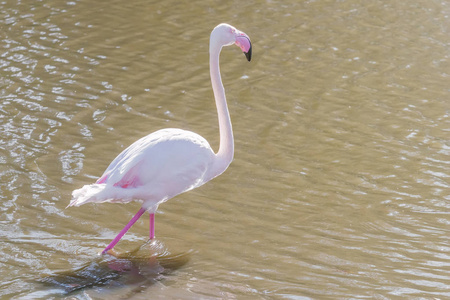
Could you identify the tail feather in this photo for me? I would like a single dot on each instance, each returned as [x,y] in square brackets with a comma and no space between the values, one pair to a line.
[99,192]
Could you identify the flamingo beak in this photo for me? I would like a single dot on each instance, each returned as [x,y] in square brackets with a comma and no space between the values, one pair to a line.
[248,54]
[243,41]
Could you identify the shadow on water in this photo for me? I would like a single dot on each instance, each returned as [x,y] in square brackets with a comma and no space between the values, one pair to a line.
[142,267]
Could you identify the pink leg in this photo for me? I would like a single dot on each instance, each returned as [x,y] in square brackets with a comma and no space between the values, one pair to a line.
[152,226]
[124,230]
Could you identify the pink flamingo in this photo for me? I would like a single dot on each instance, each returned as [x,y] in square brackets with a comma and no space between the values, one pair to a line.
[169,161]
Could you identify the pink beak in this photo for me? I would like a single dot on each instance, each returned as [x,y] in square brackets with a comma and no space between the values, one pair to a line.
[243,41]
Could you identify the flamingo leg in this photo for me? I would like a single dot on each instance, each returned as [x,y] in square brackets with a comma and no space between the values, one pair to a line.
[152,226]
[124,230]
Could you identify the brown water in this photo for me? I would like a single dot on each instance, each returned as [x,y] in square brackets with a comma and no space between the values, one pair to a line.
[340,183]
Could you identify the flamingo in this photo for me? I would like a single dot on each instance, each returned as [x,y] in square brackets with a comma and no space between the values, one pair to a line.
[170,161]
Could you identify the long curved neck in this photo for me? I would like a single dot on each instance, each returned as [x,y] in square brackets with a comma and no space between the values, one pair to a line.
[226,150]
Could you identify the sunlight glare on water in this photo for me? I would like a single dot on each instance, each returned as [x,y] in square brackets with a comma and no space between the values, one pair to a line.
[340,183]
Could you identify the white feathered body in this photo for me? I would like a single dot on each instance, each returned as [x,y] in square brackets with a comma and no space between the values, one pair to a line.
[153,169]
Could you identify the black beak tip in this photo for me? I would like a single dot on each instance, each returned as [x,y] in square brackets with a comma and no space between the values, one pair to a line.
[248,54]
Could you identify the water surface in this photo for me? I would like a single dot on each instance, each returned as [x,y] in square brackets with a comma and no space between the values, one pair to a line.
[340,183]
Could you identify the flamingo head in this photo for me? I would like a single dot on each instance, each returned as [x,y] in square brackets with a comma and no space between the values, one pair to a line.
[226,35]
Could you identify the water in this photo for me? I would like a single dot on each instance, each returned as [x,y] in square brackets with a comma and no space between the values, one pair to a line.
[340,183]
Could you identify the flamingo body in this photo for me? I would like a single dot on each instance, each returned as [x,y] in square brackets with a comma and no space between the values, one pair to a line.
[170,161]
[153,169]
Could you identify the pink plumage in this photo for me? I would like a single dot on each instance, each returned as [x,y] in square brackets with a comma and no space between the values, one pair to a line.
[153,169]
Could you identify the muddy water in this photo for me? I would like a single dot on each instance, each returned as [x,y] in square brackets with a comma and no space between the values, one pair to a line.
[340,183]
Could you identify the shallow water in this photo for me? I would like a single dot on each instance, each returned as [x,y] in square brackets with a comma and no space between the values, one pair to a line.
[340,183]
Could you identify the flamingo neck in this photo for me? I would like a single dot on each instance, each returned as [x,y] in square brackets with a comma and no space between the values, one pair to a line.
[226,149]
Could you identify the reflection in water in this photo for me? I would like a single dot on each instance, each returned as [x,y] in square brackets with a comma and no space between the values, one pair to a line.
[141,267]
